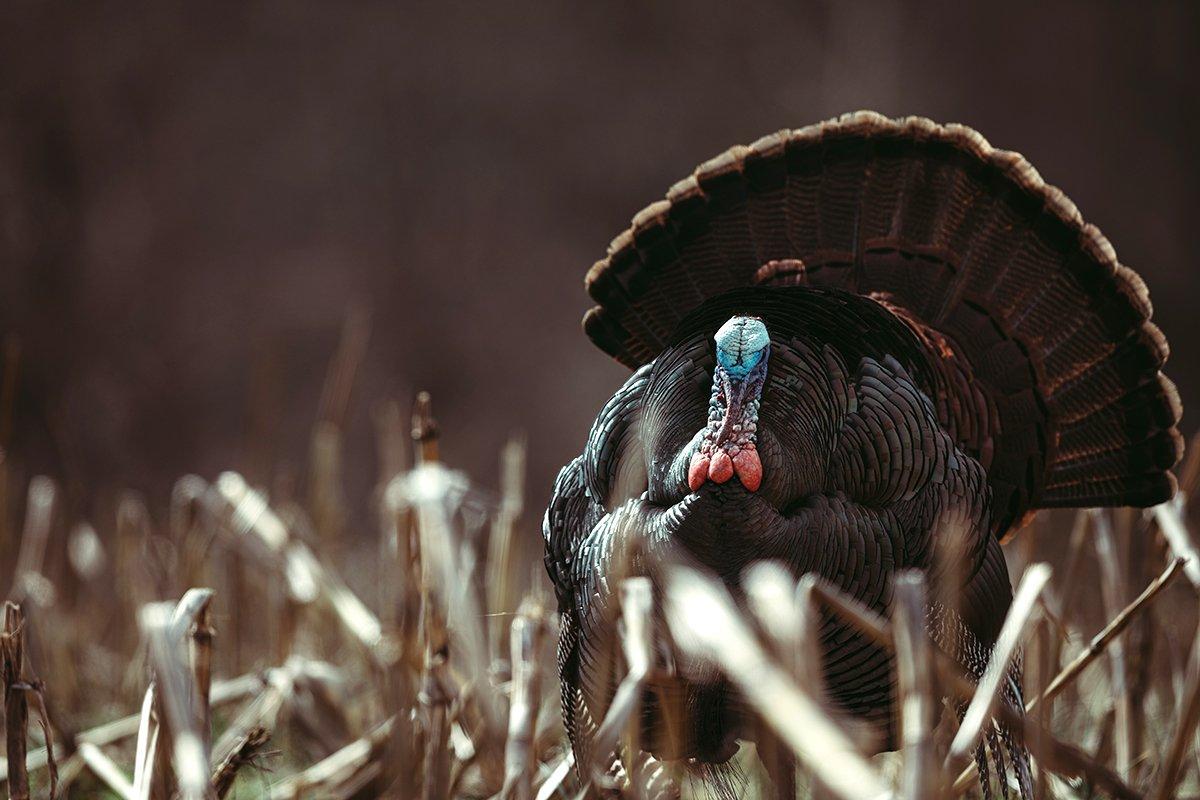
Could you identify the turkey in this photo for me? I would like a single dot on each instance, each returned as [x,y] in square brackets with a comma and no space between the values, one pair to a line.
[853,345]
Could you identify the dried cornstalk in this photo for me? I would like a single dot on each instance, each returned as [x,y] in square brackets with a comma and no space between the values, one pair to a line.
[450,607]
[785,612]
[706,625]
[555,777]
[915,681]
[244,513]
[16,708]
[359,620]
[223,693]
[192,538]
[1043,635]
[147,780]
[19,689]
[1060,757]
[391,441]
[103,768]
[771,592]
[1066,759]
[436,698]
[402,609]
[37,694]
[7,545]
[1189,469]
[337,768]
[28,579]
[436,760]
[343,367]
[259,532]
[1069,574]
[1189,717]
[1112,592]
[165,628]
[326,500]
[503,544]
[528,630]
[950,675]
[436,564]
[132,584]
[263,711]
[1101,640]
[1173,523]
[637,604]
[805,638]
[191,620]
[987,697]
[243,752]
[424,429]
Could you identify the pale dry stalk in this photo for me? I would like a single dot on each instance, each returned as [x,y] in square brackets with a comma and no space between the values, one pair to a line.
[1102,639]
[322,778]
[503,572]
[707,625]
[986,699]
[16,707]
[433,535]
[176,696]
[1112,592]
[785,612]
[245,750]
[528,630]
[1185,728]
[223,693]
[637,605]
[1172,521]
[914,676]
[106,770]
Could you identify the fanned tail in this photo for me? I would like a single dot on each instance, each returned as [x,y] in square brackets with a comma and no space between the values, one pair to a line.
[1048,365]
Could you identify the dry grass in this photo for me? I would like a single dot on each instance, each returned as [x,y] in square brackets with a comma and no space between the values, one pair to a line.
[242,649]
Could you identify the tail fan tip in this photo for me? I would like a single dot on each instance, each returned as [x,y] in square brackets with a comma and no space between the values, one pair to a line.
[1052,376]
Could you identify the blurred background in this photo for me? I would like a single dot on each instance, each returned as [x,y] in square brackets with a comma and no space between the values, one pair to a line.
[194,199]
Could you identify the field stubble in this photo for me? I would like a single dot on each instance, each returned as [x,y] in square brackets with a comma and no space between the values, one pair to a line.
[246,648]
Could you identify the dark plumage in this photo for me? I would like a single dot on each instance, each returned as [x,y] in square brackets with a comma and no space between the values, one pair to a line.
[950,348]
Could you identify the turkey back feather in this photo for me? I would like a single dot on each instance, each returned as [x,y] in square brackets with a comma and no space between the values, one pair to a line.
[1035,343]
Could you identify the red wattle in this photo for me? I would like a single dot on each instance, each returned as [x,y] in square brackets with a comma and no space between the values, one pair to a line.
[721,468]
[748,467]
[697,471]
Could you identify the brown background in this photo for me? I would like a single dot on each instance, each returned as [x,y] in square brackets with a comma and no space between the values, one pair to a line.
[191,200]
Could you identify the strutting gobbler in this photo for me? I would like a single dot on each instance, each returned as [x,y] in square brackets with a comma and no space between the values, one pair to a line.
[852,342]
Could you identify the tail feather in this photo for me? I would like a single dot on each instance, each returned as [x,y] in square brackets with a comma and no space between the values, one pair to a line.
[1137,416]
[982,766]
[1048,364]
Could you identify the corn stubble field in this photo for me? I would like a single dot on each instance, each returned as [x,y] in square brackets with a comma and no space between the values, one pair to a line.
[240,647]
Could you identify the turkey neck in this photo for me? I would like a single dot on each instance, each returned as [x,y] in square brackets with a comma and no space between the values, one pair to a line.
[740,396]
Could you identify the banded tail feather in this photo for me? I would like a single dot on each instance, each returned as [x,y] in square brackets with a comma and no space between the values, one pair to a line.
[1054,377]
